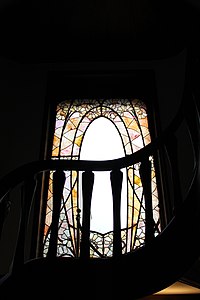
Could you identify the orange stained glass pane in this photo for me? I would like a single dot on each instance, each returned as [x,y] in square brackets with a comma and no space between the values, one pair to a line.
[74,193]
[74,177]
[137,180]
[127,121]
[62,113]
[46,228]
[145,131]
[153,174]
[50,193]
[55,152]
[147,139]
[69,127]
[56,141]
[78,140]
[130,127]
[134,125]
[144,122]
[75,121]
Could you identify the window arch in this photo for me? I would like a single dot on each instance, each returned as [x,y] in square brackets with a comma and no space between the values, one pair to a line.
[73,118]
[102,141]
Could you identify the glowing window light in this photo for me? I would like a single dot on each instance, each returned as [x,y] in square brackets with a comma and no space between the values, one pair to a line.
[74,121]
[102,142]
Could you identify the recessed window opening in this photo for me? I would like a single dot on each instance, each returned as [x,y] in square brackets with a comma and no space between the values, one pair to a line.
[101,129]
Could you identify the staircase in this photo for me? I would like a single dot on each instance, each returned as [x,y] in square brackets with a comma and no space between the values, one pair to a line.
[160,262]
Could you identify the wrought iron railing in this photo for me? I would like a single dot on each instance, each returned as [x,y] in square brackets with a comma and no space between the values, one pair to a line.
[27,179]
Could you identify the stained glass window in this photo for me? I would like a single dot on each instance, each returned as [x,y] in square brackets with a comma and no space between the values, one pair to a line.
[74,121]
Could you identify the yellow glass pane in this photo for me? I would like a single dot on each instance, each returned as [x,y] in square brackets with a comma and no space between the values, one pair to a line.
[137,180]
[78,140]
[56,141]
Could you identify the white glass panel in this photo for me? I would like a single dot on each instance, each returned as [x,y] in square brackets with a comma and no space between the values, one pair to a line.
[102,142]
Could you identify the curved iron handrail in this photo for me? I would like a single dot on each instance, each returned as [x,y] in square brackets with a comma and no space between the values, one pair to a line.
[168,256]
[31,168]
[131,276]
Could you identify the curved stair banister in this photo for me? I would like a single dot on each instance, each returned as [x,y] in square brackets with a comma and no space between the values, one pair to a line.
[167,255]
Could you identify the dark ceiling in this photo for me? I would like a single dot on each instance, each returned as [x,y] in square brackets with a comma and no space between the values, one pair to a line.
[76,30]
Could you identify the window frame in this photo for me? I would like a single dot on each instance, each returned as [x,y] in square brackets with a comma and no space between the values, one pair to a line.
[139,84]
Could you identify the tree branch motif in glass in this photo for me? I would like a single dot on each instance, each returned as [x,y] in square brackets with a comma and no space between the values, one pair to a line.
[73,118]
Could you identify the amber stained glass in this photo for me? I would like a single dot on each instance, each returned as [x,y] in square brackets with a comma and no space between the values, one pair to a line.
[72,120]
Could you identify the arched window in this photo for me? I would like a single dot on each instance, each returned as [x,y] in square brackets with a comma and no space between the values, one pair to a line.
[82,127]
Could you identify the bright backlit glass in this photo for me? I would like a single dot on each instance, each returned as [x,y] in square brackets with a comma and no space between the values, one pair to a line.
[102,142]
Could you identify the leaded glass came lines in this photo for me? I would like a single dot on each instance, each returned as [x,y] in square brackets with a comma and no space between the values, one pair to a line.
[73,117]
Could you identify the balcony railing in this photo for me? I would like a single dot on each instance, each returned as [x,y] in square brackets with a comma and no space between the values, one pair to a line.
[182,224]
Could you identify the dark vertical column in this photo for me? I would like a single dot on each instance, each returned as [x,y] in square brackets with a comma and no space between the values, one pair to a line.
[78,217]
[145,173]
[116,177]
[27,193]
[58,185]
[132,240]
[4,210]
[35,216]
[172,148]
[87,187]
